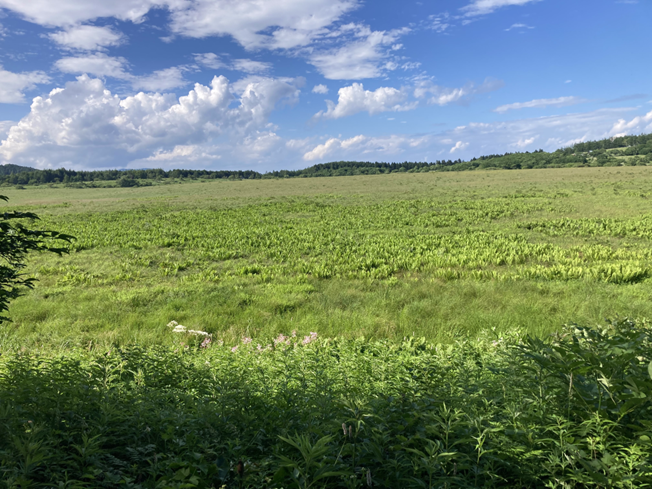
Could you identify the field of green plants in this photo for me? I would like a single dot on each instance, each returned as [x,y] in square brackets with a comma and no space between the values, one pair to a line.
[388,256]
[390,331]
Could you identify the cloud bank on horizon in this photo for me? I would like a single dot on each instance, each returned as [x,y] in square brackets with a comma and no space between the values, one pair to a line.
[271,85]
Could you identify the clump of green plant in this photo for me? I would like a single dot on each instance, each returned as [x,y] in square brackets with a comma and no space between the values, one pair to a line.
[572,411]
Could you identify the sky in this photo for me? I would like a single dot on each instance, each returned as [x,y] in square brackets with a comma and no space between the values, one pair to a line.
[285,84]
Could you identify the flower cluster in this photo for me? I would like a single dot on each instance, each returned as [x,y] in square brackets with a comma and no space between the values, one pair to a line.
[281,339]
[309,339]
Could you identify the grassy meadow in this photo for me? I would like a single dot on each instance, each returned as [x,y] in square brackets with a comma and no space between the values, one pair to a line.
[388,331]
[434,255]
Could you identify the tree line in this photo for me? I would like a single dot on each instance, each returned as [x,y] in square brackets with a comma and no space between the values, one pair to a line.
[605,152]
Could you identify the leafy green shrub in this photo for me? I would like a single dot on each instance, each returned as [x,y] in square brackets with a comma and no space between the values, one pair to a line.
[572,412]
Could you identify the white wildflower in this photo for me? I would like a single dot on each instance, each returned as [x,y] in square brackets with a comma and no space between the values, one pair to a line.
[179,329]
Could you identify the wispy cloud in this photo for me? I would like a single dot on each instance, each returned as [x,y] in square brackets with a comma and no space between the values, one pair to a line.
[626,98]
[482,7]
[521,27]
[541,103]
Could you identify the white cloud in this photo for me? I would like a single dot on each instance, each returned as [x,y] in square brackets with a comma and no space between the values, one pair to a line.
[85,125]
[64,13]
[638,125]
[364,146]
[541,103]
[251,66]
[364,56]
[443,95]
[255,24]
[476,138]
[321,89]
[183,153]
[519,26]
[101,65]
[209,60]
[4,128]
[87,37]
[355,98]
[161,80]
[524,143]
[12,85]
[557,131]
[459,146]
[94,64]
[482,7]
[439,23]
[279,24]
[213,61]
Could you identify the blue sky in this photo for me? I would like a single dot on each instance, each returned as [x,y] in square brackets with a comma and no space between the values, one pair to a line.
[284,84]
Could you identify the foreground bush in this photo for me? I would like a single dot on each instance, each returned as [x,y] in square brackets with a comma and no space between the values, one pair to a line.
[573,411]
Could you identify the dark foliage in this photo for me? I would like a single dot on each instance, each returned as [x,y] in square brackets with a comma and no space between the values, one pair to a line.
[16,241]
[570,412]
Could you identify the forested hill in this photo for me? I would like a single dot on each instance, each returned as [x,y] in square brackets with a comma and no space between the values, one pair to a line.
[10,169]
[628,150]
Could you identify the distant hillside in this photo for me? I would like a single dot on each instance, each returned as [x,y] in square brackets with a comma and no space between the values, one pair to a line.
[10,169]
[627,150]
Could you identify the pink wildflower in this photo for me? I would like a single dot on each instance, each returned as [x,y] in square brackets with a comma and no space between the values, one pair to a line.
[246,340]
[234,349]
[206,343]
[309,339]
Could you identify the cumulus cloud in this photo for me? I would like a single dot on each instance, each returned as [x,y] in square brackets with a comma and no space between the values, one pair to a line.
[183,153]
[87,37]
[64,13]
[321,89]
[255,24]
[482,7]
[524,143]
[438,95]
[541,103]
[94,64]
[365,55]
[281,24]
[85,125]
[459,146]
[355,98]
[161,80]
[640,124]
[101,65]
[365,146]
[12,85]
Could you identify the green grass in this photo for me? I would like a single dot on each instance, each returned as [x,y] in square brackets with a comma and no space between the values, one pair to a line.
[386,256]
